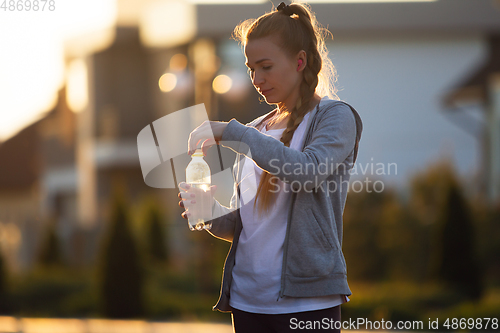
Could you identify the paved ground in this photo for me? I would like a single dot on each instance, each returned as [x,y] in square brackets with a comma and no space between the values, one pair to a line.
[54,325]
[46,325]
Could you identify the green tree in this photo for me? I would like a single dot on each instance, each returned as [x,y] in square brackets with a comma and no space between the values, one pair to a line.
[121,274]
[50,254]
[361,233]
[456,262]
[427,197]
[487,217]
[156,245]
[3,284]
[428,189]
[400,240]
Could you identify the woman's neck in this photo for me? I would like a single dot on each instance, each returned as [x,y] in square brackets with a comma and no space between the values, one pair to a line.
[274,123]
[279,122]
[282,107]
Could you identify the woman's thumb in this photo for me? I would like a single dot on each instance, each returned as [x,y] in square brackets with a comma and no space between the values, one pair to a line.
[213,188]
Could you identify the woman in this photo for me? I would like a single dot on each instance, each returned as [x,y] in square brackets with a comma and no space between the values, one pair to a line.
[285,269]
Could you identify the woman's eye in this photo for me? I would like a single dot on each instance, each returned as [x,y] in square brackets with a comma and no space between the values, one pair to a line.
[266,68]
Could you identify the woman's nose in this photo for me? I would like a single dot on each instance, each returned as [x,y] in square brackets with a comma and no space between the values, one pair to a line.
[257,80]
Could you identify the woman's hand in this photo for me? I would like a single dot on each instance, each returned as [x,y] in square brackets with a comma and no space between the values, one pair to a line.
[203,133]
[188,198]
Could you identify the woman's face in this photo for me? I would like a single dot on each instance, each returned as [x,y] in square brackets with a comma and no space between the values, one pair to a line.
[273,74]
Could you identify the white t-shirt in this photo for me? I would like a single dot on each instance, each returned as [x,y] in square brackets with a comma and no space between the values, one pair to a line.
[257,272]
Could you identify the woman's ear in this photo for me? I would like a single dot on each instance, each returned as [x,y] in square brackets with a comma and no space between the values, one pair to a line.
[301,60]
[300,64]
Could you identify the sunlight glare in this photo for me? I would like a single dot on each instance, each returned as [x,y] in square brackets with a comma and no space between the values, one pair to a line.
[363,1]
[168,23]
[77,85]
[227,2]
[33,53]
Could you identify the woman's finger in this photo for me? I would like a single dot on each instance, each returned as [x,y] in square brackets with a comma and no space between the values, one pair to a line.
[198,135]
[207,144]
[208,130]
[184,186]
[187,203]
[186,195]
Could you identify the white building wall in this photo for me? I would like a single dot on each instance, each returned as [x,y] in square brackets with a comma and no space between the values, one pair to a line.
[397,84]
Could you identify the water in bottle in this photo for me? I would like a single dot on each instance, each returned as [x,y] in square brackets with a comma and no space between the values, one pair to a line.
[198,176]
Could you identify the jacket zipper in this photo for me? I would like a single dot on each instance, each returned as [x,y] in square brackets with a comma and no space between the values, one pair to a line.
[285,248]
[289,220]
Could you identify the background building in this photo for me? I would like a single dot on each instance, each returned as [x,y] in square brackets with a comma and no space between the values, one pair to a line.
[396,63]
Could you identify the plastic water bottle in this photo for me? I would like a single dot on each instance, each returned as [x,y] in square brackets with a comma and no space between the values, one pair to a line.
[199,177]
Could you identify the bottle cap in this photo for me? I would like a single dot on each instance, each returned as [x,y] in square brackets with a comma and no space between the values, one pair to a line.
[198,152]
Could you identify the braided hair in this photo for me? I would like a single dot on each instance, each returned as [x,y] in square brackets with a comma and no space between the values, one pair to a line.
[295,28]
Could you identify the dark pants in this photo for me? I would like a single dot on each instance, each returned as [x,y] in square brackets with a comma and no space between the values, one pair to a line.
[307,321]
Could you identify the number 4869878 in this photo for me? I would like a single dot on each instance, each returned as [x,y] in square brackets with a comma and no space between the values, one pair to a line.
[28,5]
[471,323]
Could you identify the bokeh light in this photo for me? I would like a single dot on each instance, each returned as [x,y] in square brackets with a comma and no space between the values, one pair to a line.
[77,85]
[222,84]
[167,82]
[178,62]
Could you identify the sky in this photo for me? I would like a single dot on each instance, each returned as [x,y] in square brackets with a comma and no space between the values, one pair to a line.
[32,54]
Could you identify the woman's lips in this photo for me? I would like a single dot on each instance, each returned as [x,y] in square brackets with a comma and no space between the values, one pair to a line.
[265,92]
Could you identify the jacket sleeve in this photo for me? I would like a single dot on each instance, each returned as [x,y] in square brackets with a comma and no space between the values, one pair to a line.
[332,140]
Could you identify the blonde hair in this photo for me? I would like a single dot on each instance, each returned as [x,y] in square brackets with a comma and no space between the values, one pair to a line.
[295,29]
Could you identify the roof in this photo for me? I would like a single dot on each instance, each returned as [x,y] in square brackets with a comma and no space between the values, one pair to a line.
[471,16]
[19,159]
[20,155]
[475,86]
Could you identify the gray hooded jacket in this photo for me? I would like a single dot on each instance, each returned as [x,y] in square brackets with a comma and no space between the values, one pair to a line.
[313,262]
